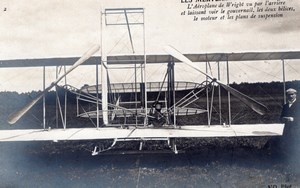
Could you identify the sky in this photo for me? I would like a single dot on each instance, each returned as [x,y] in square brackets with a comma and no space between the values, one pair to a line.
[54,28]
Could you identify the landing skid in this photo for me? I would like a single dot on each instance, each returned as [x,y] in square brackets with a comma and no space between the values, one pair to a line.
[141,126]
[99,150]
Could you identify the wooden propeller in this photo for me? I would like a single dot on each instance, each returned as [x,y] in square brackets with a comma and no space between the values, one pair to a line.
[253,104]
[14,117]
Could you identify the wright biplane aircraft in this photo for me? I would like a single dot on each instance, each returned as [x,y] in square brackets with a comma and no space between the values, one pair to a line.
[145,110]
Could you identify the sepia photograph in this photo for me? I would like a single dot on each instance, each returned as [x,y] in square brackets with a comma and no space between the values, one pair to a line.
[161,93]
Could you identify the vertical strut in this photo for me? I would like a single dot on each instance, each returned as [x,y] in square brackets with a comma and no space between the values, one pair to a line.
[66,97]
[207,98]
[283,78]
[97,93]
[135,92]
[104,75]
[145,64]
[56,103]
[44,98]
[228,94]
[220,102]
[171,89]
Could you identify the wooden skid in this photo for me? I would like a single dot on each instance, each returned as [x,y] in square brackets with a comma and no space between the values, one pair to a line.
[141,133]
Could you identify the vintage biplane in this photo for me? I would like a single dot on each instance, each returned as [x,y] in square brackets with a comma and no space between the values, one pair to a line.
[142,110]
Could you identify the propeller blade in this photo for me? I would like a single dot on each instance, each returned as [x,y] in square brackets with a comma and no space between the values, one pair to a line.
[178,55]
[253,104]
[115,108]
[14,117]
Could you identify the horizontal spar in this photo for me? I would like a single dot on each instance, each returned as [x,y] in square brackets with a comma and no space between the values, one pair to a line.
[155,58]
